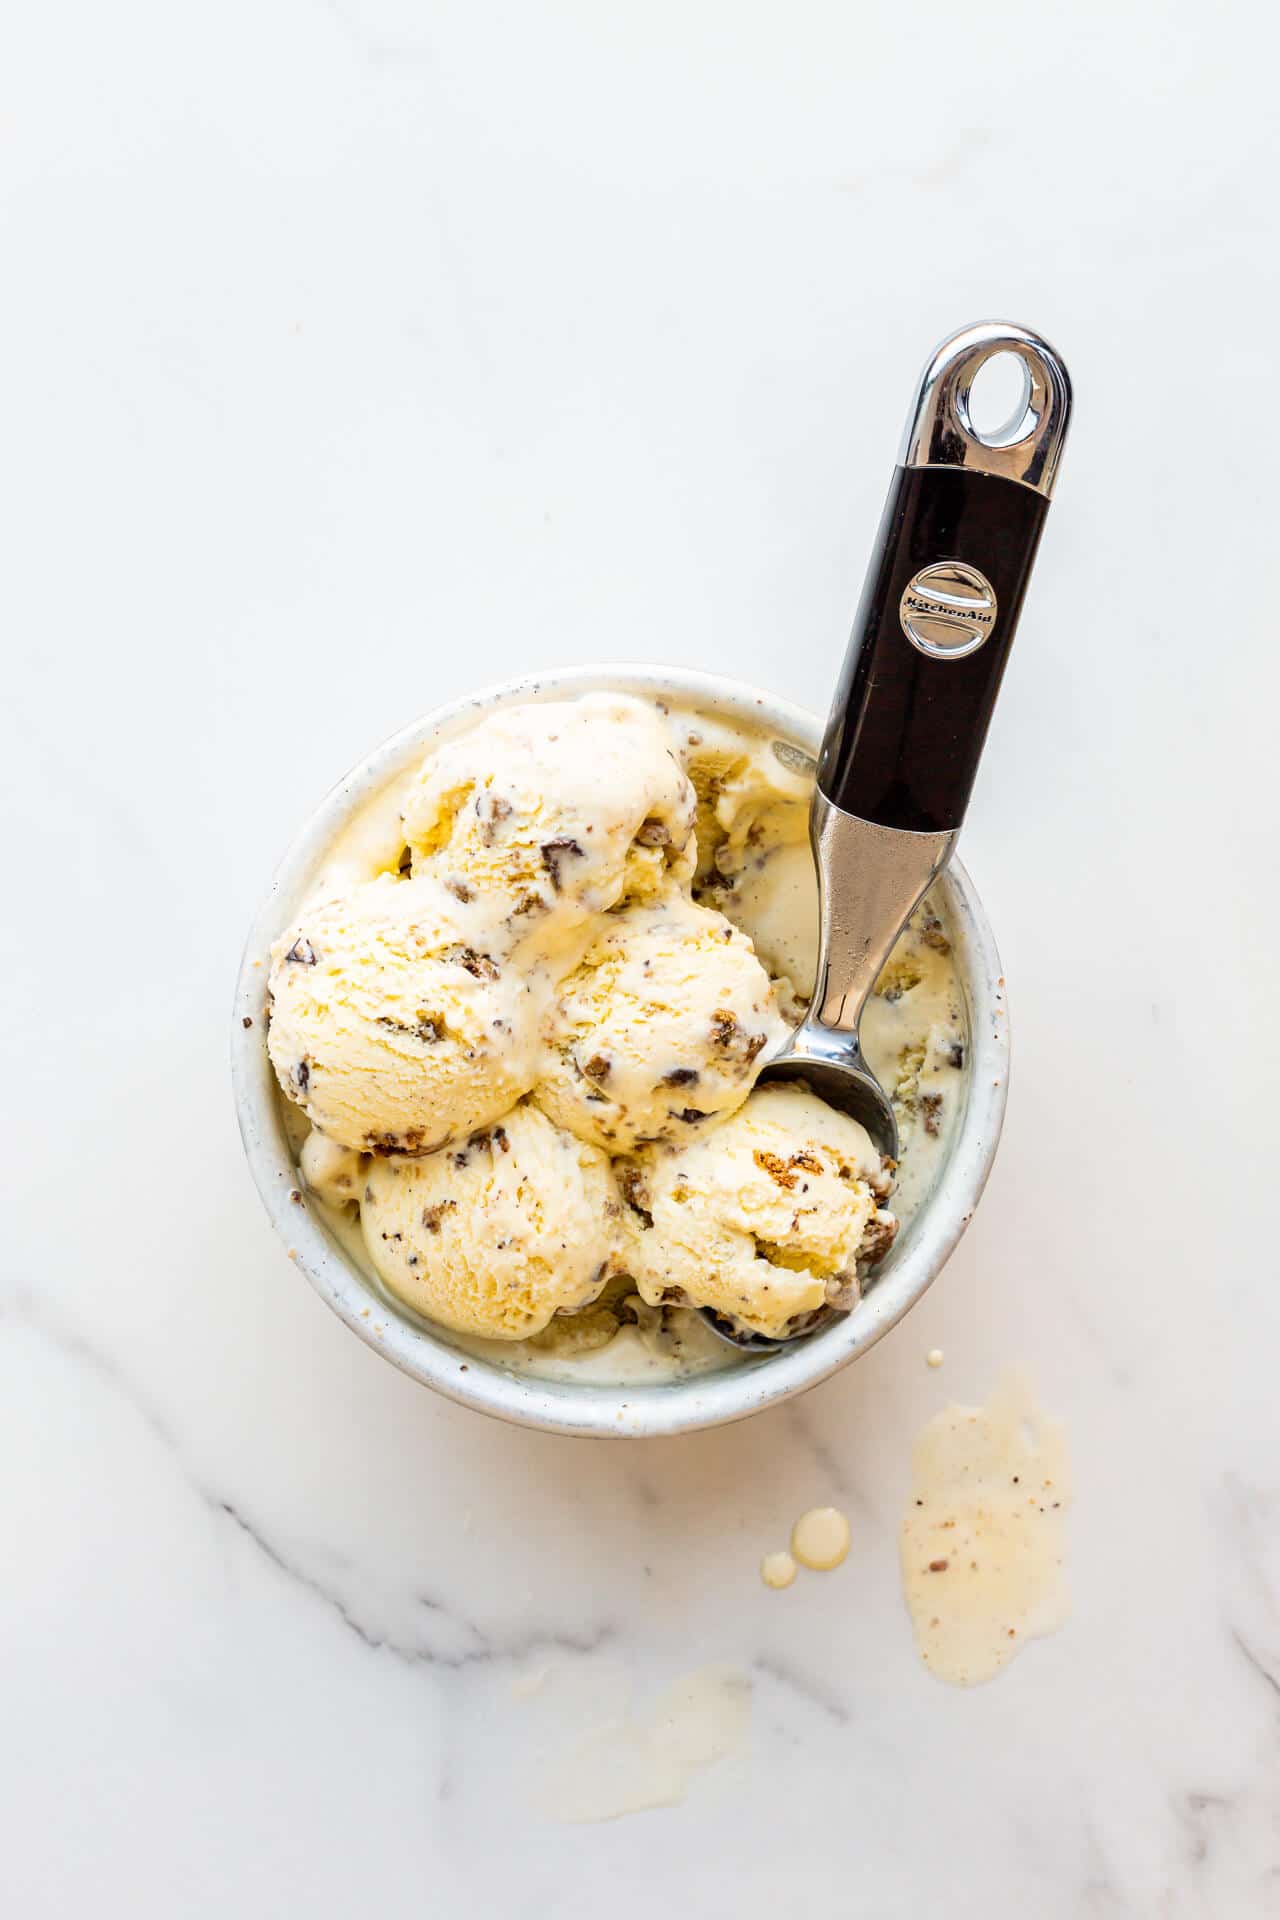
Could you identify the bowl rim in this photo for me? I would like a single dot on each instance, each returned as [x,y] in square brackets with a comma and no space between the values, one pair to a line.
[594,1409]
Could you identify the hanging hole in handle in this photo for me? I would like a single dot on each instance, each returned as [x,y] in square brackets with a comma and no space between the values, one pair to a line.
[996,404]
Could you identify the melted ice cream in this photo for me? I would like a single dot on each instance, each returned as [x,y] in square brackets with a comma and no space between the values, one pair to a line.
[983,1536]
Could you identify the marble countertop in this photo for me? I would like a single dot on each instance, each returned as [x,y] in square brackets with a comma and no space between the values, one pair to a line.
[358,351]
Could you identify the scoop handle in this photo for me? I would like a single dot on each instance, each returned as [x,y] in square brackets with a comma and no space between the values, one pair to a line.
[944,590]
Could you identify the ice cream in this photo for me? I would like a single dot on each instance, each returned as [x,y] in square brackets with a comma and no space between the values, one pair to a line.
[392,1032]
[753,795]
[334,1173]
[511,943]
[983,1536]
[495,1236]
[765,1219]
[554,812]
[663,1025]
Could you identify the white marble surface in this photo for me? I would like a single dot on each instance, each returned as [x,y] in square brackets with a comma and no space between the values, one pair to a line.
[353,352]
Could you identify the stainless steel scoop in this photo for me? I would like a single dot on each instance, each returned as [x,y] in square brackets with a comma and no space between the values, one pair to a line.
[930,641]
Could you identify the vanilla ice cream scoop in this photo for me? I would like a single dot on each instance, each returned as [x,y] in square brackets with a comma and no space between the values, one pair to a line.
[334,1173]
[753,796]
[497,1234]
[554,812]
[392,1032]
[660,1028]
[765,1220]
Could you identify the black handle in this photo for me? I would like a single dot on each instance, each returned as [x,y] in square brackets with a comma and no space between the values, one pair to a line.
[910,715]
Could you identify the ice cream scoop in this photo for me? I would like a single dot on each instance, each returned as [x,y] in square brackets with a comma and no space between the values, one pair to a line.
[391,1032]
[659,1029]
[547,814]
[498,1234]
[930,641]
[764,1221]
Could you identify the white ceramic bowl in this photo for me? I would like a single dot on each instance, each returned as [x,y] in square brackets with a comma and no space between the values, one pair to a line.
[918,1254]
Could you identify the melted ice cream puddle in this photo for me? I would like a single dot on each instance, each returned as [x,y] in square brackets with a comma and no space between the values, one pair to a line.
[777,1570]
[983,1538]
[820,1538]
[628,1765]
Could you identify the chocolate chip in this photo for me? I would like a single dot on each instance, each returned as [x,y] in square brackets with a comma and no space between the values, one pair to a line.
[730,1036]
[406,861]
[411,1141]
[432,1216]
[877,1237]
[634,1192]
[295,1196]
[724,1028]
[478,965]
[500,1140]
[302,953]
[459,889]
[955,1054]
[598,1067]
[428,1027]
[690,1115]
[680,1077]
[247,1021]
[931,1106]
[490,809]
[555,852]
[302,1074]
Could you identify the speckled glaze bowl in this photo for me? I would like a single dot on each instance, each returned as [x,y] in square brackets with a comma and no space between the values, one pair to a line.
[629,1412]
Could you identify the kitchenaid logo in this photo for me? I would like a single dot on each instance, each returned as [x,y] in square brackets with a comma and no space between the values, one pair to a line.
[917,605]
[948,609]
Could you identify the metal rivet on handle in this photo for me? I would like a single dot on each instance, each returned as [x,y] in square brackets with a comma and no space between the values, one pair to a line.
[948,609]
